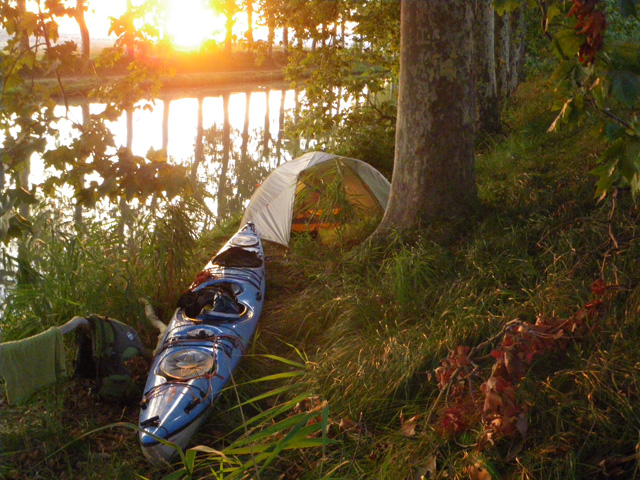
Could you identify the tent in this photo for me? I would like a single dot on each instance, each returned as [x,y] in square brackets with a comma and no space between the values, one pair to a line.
[314,192]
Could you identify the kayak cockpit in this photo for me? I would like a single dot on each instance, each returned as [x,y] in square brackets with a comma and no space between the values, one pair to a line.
[216,301]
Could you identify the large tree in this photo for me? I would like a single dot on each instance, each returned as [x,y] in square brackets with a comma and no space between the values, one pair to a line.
[434,168]
[488,104]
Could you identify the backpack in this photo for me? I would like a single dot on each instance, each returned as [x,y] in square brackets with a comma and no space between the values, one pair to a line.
[101,355]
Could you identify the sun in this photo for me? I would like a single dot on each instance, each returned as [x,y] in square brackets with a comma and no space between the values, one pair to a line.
[190,23]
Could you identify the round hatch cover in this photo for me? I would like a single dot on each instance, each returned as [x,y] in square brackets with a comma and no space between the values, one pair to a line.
[187,363]
[201,332]
[243,240]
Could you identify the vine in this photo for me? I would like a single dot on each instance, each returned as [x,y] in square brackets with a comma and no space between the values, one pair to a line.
[492,404]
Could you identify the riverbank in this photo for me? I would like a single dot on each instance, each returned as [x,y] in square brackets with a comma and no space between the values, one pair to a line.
[179,73]
[196,84]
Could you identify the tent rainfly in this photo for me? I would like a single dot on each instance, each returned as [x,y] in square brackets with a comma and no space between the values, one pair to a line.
[297,195]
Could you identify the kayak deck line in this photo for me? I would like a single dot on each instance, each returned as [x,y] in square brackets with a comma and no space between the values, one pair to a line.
[207,336]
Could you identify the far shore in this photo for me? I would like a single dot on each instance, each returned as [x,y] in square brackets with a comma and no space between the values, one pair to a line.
[197,84]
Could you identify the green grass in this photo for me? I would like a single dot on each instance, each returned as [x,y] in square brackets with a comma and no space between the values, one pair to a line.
[374,324]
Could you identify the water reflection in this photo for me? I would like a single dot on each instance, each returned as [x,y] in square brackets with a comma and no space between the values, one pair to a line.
[229,142]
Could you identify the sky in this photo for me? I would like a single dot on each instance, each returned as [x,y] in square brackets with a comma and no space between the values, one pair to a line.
[97,17]
[189,22]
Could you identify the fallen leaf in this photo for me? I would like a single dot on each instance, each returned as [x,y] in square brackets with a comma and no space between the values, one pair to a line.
[408,428]
[477,473]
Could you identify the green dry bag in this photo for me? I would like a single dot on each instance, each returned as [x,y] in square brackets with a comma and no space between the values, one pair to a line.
[102,352]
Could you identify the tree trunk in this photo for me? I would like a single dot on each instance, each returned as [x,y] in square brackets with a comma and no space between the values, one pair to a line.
[86,117]
[199,150]
[243,165]
[223,190]
[250,24]
[271,25]
[86,66]
[84,35]
[22,178]
[126,214]
[129,41]
[228,40]
[516,48]
[488,104]
[280,124]
[23,35]
[434,168]
[245,130]
[296,119]
[502,49]
[129,116]
[267,125]
[166,107]
[285,39]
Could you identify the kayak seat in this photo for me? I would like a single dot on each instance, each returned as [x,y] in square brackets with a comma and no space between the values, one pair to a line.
[216,300]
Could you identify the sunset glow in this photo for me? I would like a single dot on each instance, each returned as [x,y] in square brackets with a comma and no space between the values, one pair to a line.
[189,23]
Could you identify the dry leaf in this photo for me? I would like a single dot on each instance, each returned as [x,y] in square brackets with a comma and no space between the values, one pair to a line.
[477,473]
[408,428]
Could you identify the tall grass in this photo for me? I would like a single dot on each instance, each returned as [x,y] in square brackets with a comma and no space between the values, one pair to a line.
[62,272]
[375,323]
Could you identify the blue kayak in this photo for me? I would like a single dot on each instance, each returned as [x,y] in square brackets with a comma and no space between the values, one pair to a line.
[205,339]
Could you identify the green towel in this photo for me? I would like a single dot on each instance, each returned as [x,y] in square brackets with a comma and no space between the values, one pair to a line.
[29,364]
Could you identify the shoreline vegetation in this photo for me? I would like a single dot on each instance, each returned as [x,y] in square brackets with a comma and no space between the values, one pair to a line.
[193,74]
[195,84]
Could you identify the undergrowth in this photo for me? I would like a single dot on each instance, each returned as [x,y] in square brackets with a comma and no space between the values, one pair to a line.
[376,323]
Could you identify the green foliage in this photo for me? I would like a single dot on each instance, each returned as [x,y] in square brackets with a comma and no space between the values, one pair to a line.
[506,6]
[27,116]
[342,85]
[627,8]
[608,85]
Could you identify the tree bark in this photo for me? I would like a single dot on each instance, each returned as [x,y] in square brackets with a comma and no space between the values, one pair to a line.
[129,118]
[250,24]
[285,39]
[434,169]
[86,66]
[129,41]
[283,95]
[488,104]
[267,127]
[24,161]
[228,40]
[166,108]
[86,121]
[243,165]
[502,49]
[23,35]
[199,150]
[271,25]
[516,48]
[245,130]
[223,184]
[84,35]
